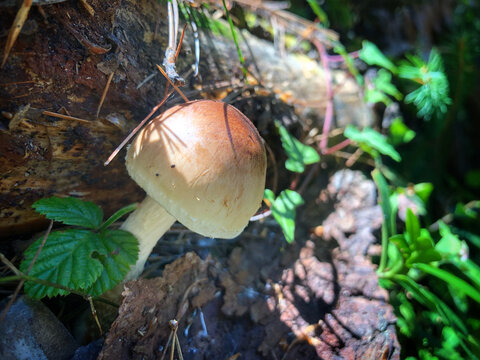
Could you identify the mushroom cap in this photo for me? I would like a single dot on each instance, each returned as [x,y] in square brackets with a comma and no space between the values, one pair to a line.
[205,163]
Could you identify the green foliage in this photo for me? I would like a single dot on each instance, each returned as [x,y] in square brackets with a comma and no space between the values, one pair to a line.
[299,155]
[400,133]
[283,210]
[235,39]
[372,142]
[70,211]
[382,87]
[92,259]
[436,274]
[319,13]
[340,49]
[431,98]
[372,55]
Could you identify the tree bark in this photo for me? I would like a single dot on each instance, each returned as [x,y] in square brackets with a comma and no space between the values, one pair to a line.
[61,63]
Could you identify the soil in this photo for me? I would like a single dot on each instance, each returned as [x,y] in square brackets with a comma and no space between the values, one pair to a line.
[318,298]
[254,298]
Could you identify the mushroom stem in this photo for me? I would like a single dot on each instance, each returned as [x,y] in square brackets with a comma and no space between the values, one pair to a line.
[148,223]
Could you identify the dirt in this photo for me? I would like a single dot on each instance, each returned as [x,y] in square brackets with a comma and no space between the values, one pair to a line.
[317,298]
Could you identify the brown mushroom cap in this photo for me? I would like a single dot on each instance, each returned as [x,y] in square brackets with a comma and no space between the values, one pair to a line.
[205,163]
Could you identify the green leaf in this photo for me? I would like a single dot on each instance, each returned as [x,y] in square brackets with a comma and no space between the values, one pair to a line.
[413,227]
[424,241]
[319,13]
[298,154]
[235,40]
[384,191]
[401,243]
[66,259]
[283,210]
[372,55]
[423,256]
[469,269]
[451,279]
[431,97]
[117,251]
[423,191]
[373,96]
[383,83]
[400,133]
[372,140]
[431,301]
[468,211]
[118,214]
[70,211]
[449,245]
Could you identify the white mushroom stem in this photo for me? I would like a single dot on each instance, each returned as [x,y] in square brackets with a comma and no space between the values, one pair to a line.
[148,223]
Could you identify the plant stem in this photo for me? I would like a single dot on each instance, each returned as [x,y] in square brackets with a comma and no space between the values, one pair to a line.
[384,254]
[6,279]
[235,40]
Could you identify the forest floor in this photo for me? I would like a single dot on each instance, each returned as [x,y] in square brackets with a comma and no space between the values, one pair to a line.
[260,298]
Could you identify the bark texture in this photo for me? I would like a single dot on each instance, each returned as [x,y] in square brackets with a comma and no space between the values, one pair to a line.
[61,62]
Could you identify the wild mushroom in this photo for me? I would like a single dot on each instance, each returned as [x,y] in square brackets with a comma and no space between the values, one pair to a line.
[202,163]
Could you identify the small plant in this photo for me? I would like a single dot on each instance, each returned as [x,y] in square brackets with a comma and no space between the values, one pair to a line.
[437,274]
[91,258]
[431,98]
[284,206]
[283,210]
[372,142]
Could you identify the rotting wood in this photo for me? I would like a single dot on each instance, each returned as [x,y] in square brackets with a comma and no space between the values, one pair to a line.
[60,66]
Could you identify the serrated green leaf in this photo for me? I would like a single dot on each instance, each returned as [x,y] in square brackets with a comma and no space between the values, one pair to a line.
[298,154]
[117,252]
[372,55]
[372,140]
[283,210]
[70,211]
[66,259]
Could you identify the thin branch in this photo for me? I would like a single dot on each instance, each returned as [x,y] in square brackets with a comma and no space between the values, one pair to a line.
[173,84]
[17,25]
[137,128]
[104,94]
[64,117]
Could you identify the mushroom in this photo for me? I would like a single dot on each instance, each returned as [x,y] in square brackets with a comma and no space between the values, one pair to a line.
[202,163]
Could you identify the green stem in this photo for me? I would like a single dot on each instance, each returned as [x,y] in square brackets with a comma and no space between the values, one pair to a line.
[384,254]
[235,40]
[7,279]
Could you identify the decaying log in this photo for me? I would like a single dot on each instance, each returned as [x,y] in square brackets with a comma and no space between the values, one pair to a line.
[61,62]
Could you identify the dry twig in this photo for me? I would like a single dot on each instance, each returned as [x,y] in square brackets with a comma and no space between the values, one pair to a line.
[20,19]
[104,94]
